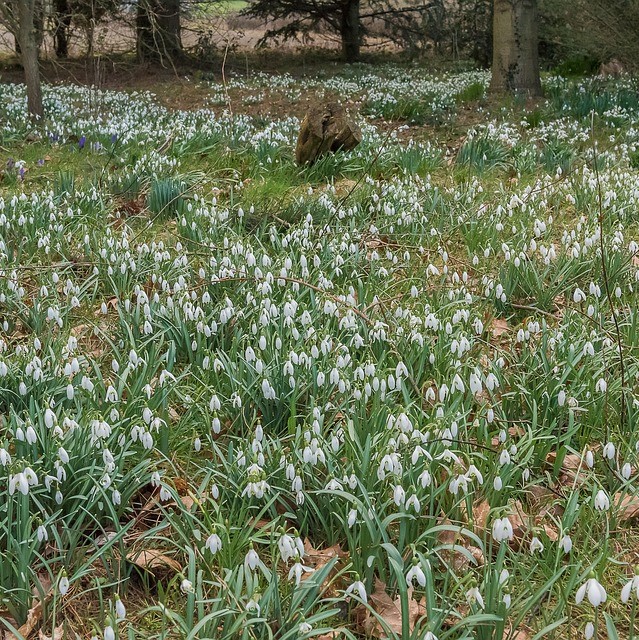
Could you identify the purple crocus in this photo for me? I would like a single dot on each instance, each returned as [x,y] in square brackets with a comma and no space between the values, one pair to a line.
[21,173]
[114,137]
[41,162]
[81,142]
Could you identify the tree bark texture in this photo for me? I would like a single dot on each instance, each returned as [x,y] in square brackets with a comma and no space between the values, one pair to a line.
[28,40]
[350,30]
[158,30]
[62,25]
[515,47]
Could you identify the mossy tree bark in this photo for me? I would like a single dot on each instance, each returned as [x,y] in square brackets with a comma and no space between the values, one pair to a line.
[515,47]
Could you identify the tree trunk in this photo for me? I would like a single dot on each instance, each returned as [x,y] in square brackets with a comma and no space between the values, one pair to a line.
[27,38]
[350,30]
[158,30]
[62,25]
[515,47]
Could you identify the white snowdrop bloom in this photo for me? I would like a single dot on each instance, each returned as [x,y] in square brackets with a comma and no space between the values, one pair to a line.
[425,479]
[578,296]
[290,547]
[213,543]
[631,588]
[498,483]
[252,560]
[416,574]
[352,517]
[30,435]
[197,444]
[473,595]
[165,494]
[414,503]
[609,451]
[590,459]
[18,481]
[589,631]
[109,633]
[49,418]
[601,385]
[63,584]
[186,586]
[561,398]
[602,501]
[358,589]
[305,627]
[399,495]
[626,471]
[502,529]
[504,457]
[42,533]
[120,609]
[536,545]
[593,590]
[566,543]
[297,571]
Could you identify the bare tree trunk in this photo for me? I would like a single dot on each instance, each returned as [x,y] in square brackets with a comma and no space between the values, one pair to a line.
[515,47]
[158,30]
[350,30]
[28,40]
[62,25]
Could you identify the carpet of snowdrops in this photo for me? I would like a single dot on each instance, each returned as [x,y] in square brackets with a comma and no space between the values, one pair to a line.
[392,395]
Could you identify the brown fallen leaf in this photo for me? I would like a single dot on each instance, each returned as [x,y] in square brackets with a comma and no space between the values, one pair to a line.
[34,619]
[481,511]
[391,612]
[627,506]
[318,558]
[499,327]
[58,634]
[573,467]
[153,560]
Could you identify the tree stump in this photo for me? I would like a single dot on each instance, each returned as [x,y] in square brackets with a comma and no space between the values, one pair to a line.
[325,129]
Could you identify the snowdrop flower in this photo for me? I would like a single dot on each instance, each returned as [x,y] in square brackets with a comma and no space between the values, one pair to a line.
[290,547]
[252,560]
[399,495]
[413,502]
[120,609]
[566,544]
[416,573]
[358,589]
[590,459]
[213,543]
[42,534]
[502,530]
[473,595]
[536,545]
[297,570]
[63,584]
[630,588]
[305,627]
[602,501]
[187,586]
[109,633]
[609,451]
[626,471]
[594,590]
[589,631]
